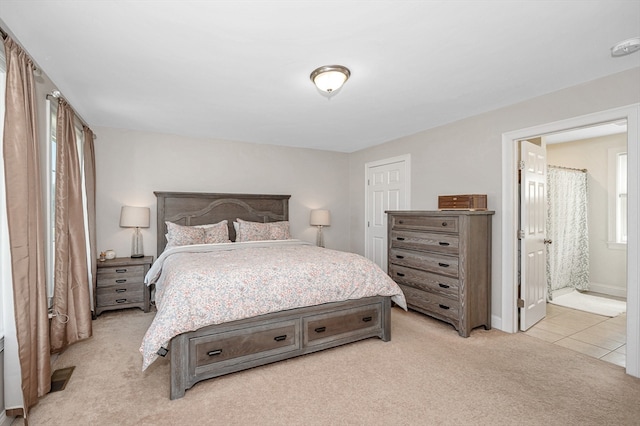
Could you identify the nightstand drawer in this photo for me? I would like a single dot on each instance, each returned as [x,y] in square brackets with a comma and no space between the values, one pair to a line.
[119,295]
[120,275]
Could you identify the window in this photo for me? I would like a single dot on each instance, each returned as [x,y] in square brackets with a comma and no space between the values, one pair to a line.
[617,198]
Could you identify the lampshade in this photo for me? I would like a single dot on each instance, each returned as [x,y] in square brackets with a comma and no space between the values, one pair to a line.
[330,78]
[320,218]
[134,217]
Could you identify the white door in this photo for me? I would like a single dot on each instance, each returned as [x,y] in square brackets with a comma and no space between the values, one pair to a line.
[387,189]
[533,281]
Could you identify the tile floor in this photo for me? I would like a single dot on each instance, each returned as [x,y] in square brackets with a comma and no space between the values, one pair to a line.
[594,335]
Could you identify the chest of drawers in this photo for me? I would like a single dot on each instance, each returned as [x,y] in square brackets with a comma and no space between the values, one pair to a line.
[120,284]
[442,262]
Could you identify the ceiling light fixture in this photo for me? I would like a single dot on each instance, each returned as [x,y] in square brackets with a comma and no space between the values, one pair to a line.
[626,47]
[330,78]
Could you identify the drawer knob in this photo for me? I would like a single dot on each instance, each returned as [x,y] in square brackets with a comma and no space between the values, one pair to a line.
[280,338]
[445,307]
[214,352]
[444,223]
[320,329]
[444,265]
[443,285]
[367,319]
[121,300]
[444,244]
[121,271]
[121,281]
[400,274]
[120,290]
[401,221]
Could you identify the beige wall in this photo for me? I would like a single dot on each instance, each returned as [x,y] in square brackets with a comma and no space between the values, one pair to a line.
[466,156]
[131,165]
[607,266]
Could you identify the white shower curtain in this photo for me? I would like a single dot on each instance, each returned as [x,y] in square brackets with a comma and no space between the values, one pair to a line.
[568,254]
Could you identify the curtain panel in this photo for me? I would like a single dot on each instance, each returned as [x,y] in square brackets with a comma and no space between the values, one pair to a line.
[71,296]
[25,218]
[568,255]
[90,188]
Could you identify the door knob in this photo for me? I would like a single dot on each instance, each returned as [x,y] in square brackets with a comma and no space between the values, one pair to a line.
[547,241]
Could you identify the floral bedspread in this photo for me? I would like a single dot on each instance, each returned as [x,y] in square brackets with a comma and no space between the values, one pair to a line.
[208,284]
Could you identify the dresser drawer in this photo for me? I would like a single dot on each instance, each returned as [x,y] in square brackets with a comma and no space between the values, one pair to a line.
[236,346]
[425,223]
[427,302]
[441,243]
[426,281]
[120,275]
[440,264]
[120,294]
[318,328]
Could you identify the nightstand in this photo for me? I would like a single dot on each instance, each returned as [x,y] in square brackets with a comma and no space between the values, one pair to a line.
[120,284]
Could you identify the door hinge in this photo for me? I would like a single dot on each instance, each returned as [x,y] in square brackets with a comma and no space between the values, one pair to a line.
[521,234]
[521,165]
[520,303]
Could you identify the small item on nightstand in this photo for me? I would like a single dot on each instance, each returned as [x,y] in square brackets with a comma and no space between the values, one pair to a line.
[103,256]
[110,254]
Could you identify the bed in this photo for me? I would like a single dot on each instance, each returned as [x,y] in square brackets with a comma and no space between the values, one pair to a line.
[213,320]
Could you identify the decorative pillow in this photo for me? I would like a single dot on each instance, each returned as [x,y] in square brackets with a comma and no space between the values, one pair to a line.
[279,230]
[256,231]
[179,235]
[216,233]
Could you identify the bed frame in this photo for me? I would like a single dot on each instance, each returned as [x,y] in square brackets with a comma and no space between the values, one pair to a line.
[226,348]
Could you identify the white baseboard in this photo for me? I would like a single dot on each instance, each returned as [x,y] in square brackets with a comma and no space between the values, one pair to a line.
[4,420]
[496,322]
[608,289]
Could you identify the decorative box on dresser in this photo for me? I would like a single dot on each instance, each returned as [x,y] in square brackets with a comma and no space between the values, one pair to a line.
[442,262]
[120,284]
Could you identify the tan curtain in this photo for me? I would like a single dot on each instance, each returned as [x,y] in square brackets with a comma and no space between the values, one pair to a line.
[90,187]
[25,218]
[71,301]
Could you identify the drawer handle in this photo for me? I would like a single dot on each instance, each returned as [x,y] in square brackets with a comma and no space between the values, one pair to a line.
[399,257]
[121,300]
[121,271]
[321,329]
[400,238]
[367,319]
[444,265]
[444,223]
[280,338]
[445,307]
[401,221]
[400,274]
[120,290]
[443,285]
[214,352]
[121,281]
[442,243]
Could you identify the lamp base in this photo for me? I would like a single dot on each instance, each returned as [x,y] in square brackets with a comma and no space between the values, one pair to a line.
[135,256]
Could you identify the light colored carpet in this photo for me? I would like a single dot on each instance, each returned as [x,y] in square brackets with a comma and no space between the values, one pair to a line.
[590,303]
[426,374]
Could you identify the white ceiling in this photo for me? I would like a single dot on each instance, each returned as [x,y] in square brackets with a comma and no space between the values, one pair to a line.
[239,70]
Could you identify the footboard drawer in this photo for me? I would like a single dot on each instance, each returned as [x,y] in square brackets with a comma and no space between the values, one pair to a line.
[318,329]
[240,345]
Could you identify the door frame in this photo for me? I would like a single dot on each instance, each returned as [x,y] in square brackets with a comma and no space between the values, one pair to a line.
[406,158]
[509,257]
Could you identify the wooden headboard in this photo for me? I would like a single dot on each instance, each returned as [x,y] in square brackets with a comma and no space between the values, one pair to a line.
[198,208]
